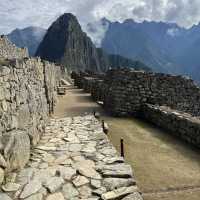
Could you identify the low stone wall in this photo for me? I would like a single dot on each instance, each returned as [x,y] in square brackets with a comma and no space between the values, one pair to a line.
[98,90]
[88,83]
[129,90]
[27,96]
[10,51]
[180,124]
[91,84]
[78,78]
[126,91]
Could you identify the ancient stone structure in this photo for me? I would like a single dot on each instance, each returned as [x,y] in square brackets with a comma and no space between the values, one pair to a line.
[127,93]
[180,124]
[129,90]
[27,96]
[73,160]
[10,51]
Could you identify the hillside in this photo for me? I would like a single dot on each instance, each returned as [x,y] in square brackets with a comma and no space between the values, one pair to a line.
[164,47]
[66,43]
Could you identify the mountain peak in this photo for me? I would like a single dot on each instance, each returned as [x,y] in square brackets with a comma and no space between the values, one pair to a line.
[59,35]
[66,43]
[66,17]
[64,21]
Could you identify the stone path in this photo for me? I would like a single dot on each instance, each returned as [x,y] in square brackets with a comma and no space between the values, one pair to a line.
[165,169]
[74,160]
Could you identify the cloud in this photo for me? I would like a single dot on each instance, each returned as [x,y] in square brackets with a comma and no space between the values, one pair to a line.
[96,30]
[173,32]
[22,13]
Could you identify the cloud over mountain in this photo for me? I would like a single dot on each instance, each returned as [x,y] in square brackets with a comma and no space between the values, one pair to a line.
[23,13]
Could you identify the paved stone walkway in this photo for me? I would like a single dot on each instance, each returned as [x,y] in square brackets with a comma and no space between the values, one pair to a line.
[74,160]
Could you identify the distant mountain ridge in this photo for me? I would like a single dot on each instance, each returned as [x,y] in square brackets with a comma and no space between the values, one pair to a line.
[29,37]
[165,47]
[66,43]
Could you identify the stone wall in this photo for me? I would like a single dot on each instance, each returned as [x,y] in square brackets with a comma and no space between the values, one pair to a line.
[124,92]
[27,96]
[159,98]
[129,90]
[10,51]
[180,124]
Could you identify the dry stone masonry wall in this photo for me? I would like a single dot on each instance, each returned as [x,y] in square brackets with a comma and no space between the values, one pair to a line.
[144,94]
[10,51]
[129,90]
[180,124]
[27,95]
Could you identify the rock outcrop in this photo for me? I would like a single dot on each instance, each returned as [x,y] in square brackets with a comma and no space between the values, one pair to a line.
[66,43]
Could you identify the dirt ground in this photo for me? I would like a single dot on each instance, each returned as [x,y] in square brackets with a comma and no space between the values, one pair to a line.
[165,168]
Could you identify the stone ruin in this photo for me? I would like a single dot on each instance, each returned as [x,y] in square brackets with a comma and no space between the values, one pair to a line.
[171,102]
[27,97]
[50,158]
[9,50]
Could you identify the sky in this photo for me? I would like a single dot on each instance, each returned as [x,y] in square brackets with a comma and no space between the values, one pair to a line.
[23,13]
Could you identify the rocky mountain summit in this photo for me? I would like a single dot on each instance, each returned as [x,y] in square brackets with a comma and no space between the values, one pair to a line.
[66,43]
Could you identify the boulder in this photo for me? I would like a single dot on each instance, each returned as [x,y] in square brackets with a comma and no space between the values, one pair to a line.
[17,149]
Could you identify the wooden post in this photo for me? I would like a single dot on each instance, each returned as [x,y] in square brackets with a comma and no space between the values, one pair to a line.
[53,107]
[122,147]
[105,127]
[103,124]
